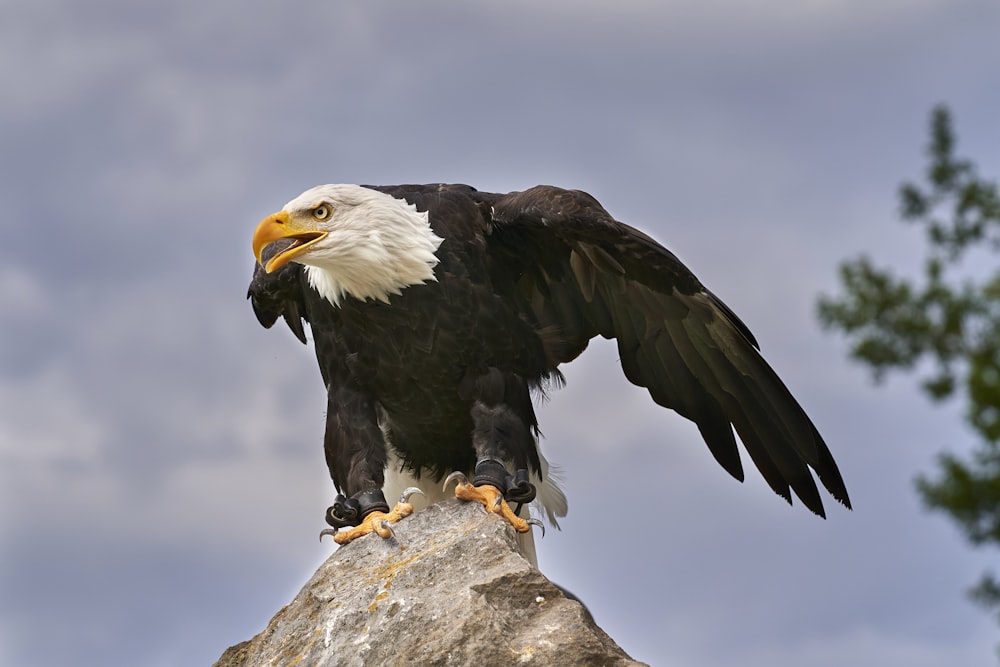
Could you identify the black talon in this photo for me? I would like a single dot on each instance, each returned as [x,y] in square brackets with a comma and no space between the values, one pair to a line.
[411,490]
[453,477]
[536,522]
[327,531]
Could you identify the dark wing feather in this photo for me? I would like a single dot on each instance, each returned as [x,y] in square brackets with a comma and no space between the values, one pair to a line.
[278,294]
[352,437]
[578,271]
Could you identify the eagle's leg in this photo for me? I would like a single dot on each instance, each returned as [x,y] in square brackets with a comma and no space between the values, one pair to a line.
[490,486]
[502,419]
[375,513]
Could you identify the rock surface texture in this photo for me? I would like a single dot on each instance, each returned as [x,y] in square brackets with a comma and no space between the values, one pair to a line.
[450,588]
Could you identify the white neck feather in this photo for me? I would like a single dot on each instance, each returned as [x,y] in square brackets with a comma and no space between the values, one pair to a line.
[377,245]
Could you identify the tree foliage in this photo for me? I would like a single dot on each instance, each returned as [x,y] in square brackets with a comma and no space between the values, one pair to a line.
[945,324]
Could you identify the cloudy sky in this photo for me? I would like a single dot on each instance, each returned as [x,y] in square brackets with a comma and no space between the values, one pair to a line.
[161,474]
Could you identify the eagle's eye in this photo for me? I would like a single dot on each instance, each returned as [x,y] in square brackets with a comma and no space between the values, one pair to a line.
[322,212]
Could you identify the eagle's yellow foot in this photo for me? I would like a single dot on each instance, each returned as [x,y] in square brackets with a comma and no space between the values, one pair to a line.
[376,521]
[492,499]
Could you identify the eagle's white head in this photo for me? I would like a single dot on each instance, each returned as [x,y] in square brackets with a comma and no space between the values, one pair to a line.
[355,242]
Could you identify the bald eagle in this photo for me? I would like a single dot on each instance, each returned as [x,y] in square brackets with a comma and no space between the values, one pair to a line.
[438,310]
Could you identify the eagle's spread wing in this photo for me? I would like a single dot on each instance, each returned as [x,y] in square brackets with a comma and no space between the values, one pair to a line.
[579,273]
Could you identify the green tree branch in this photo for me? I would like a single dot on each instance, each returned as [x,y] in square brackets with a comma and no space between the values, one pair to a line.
[940,317]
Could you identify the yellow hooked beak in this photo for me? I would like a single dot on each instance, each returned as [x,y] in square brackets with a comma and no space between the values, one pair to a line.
[279,226]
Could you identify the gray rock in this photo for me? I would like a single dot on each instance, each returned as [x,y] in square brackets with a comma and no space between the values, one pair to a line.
[450,588]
